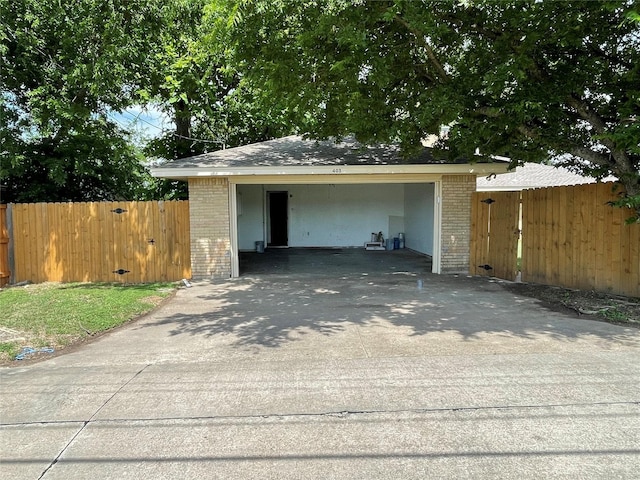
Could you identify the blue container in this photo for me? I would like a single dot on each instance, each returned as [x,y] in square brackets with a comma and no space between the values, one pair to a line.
[260,247]
[396,243]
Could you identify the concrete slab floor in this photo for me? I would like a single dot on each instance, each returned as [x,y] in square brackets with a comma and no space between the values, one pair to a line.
[344,370]
[332,261]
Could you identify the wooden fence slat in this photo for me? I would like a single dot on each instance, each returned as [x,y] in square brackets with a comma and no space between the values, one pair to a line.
[84,245]
[141,237]
[34,251]
[146,255]
[51,265]
[18,236]
[617,246]
[105,222]
[573,235]
[528,273]
[476,236]
[634,258]
[527,229]
[5,270]
[131,225]
[547,215]
[69,242]
[564,266]
[536,271]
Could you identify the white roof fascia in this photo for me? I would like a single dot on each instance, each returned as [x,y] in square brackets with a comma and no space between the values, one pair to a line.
[338,170]
[504,188]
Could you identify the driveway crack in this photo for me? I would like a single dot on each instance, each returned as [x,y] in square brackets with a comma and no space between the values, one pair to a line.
[362,342]
[347,413]
[90,420]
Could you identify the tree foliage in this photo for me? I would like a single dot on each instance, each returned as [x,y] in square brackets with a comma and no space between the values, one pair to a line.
[194,81]
[69,66]
[65,66]
[529,80]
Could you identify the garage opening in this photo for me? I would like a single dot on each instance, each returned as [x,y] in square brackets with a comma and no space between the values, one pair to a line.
[335,217]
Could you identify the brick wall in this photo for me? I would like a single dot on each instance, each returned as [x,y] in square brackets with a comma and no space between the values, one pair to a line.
[456,222]
[210,228]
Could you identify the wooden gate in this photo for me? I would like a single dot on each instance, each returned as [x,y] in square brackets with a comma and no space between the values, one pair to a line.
[495,231]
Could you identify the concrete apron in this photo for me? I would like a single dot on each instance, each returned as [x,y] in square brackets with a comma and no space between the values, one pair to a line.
[347,375]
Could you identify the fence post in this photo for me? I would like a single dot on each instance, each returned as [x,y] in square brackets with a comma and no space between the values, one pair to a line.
[11,256]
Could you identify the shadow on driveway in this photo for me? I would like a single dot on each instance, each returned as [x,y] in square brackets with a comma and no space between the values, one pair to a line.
[277,309]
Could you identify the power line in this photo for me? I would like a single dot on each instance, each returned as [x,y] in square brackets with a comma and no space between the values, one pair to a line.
[183,137]
[219,142]
[138,118]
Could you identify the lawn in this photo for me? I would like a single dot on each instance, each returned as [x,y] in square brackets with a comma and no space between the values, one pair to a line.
[56,315]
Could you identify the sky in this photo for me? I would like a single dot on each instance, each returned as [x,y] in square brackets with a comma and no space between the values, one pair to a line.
[145,122]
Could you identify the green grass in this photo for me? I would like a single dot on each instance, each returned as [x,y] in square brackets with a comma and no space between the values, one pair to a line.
[614,314]
[9,349]
[53,314]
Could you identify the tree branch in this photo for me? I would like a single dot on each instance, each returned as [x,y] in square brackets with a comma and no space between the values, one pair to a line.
[586,113]
[620,156]
[442,74]
[592,156]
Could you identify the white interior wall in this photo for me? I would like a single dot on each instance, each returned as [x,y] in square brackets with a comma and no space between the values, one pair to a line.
[419,217]
[250,205]
[324,215]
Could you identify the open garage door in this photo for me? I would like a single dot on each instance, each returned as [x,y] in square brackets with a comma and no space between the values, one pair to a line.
[336,215]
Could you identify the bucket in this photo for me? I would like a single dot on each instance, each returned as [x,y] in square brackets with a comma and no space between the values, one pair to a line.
[401,238]
[260,246]
[396,243]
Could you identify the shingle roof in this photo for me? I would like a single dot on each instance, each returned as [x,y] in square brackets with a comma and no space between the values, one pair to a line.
[295,151]
[532,175]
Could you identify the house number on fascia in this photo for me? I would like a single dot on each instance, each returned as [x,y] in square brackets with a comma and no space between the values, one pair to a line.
[336,170]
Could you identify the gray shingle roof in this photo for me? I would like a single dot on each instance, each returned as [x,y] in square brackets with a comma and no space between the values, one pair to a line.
[532,175]
[295,151]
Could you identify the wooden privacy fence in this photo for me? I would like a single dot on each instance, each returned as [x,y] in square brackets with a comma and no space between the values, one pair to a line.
[571,237]
[101,242]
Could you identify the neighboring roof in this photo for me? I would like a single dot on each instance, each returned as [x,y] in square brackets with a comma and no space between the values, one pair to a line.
[284,155]
[531,175]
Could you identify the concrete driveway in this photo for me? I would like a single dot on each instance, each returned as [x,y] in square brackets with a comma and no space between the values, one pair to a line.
[333,374]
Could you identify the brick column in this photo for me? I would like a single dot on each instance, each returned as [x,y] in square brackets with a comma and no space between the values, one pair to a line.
[456,222]
[210,228]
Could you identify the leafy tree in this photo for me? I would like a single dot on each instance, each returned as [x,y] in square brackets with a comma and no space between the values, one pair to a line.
[529,80]
[65,66]
[195,83]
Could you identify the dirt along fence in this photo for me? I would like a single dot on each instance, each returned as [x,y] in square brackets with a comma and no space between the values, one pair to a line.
[132,242]
[571,237]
